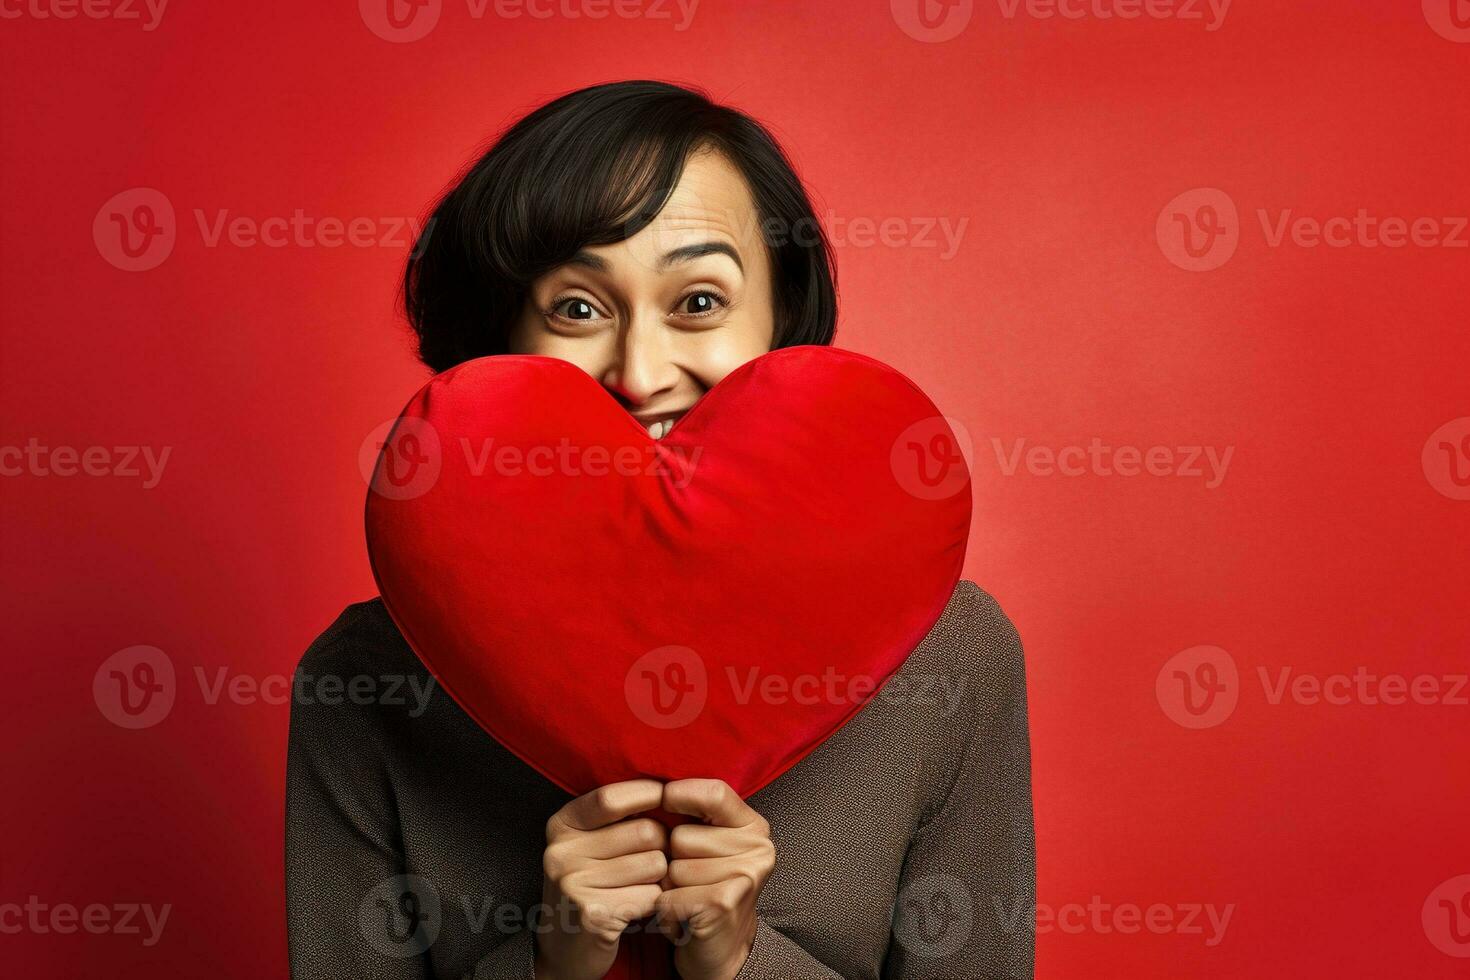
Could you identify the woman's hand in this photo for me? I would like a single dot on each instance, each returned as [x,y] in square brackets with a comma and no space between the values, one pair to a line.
[601,872]
[717,870]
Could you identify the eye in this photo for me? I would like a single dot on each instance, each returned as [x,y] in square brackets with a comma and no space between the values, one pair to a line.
[703,303]
[575,309]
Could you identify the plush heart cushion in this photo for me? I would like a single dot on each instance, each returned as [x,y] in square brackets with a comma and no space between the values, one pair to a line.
[715,603]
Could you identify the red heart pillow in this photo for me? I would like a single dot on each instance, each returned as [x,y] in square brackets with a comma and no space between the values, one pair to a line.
[715,603]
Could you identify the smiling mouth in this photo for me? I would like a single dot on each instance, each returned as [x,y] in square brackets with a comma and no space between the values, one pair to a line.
[658,426]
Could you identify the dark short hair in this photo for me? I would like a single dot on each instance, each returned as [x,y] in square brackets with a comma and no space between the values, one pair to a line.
[590,168]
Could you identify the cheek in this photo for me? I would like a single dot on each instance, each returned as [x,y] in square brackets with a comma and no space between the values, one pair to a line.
[712,356]
[591,354]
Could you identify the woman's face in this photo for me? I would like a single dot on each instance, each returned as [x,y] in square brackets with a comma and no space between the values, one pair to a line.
[658,319]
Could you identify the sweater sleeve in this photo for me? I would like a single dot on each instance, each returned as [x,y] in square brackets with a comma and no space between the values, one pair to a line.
[354,908]
[968,884]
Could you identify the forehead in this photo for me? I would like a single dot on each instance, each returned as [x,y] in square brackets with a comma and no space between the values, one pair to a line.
[712,196]
[710,205]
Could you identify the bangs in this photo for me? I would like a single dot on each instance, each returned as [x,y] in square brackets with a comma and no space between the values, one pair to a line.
[596,167]
[570,200]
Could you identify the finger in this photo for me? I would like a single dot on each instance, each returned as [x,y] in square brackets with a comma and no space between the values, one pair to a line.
[709,902]
[708,871]
[613,909]
[631,836]
[698,840]
[605,805]
[647,868]
[711,800]
[675,907]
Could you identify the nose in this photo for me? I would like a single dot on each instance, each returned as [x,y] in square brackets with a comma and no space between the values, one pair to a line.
[643,365]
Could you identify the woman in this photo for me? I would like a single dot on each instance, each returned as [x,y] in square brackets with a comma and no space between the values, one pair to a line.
[657,241]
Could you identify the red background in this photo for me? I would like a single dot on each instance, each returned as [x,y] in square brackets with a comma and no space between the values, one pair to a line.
[1060,319]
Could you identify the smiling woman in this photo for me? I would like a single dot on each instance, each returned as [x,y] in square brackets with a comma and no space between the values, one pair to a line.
[658,242]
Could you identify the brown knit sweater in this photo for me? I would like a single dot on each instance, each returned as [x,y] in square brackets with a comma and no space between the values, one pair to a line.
[904,843]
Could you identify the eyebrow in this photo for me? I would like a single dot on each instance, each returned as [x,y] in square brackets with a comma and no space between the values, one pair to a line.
[684,253]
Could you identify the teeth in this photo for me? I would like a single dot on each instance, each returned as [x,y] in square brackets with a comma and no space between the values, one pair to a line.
[661,428]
